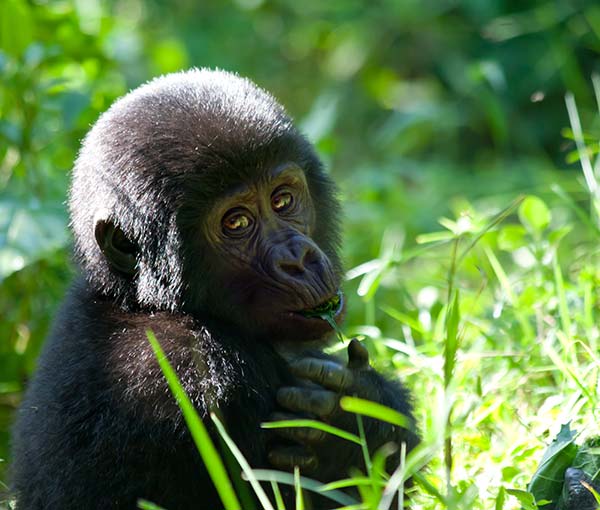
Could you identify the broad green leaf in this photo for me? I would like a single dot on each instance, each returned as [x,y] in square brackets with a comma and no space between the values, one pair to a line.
[588,458]
[525,498]
[534,214]
[548,480]
[512,237]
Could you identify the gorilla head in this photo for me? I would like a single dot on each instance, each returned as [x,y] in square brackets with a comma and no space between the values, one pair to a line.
[196,194]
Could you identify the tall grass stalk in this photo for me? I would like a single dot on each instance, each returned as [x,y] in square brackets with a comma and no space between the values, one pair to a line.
[589,172]
[208,452]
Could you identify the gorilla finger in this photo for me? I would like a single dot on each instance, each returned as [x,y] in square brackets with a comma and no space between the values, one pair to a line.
[358,356]
[320,402]
[327,373]
[305,435]
[288,458]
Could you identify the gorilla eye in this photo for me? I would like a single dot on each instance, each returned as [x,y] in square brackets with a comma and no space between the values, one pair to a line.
[236,222]
[282,201]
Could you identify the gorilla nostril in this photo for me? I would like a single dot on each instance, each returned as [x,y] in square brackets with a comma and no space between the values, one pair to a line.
[293,260]
[311,258]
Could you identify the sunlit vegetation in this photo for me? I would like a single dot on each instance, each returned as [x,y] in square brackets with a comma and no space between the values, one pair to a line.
[470,188]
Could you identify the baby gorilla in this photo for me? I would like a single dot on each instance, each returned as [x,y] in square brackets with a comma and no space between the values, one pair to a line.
[199,212]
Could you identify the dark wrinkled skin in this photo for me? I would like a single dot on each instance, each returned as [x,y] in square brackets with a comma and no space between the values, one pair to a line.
[200,213]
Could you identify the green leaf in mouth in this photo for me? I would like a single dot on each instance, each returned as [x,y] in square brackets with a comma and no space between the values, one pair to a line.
[329,307]
[327,311]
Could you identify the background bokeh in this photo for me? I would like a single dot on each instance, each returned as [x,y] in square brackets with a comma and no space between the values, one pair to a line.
[420,108]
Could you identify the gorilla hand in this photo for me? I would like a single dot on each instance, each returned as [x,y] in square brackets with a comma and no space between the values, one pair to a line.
[323,383]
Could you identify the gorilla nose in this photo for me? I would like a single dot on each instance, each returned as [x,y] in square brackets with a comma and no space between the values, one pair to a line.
[295,260]
[304,269]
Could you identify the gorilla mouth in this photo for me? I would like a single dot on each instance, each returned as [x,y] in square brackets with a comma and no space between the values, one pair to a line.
[330,307]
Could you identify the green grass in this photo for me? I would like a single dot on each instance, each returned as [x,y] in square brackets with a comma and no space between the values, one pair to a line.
[498,343]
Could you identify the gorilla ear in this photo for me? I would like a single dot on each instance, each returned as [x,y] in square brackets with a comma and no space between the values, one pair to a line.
[118,250]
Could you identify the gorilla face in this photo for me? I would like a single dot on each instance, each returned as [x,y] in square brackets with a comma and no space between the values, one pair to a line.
[270,268]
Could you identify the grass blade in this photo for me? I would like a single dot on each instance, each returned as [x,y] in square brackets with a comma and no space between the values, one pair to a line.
[277,494]
[271,475]
[148,505]
[247,470]
[367,408]
[208,452]
[298,488]
[314,424]
[584,159]
[452,339]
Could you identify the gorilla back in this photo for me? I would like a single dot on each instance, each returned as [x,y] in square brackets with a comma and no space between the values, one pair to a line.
[201,213]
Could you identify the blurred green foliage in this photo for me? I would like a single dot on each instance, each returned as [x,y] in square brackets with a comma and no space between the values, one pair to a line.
[418,107]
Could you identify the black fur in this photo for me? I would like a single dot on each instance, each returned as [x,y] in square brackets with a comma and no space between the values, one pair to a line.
[98,427]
